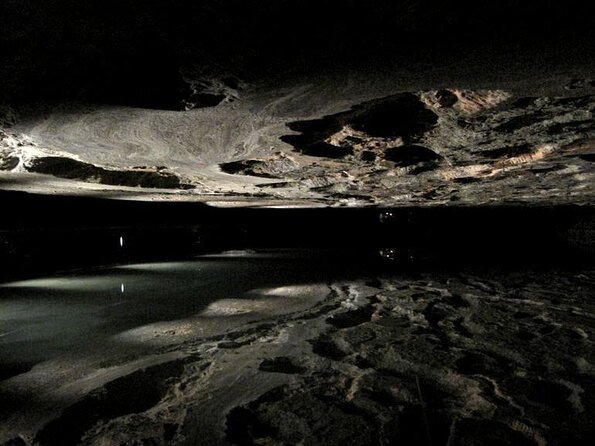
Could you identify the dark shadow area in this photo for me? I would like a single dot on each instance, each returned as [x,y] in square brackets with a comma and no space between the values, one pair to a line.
[144,55]
[402,116]
[245,167]
[72,169]
[312,142]
[44,233]
[134,393]
[413,154]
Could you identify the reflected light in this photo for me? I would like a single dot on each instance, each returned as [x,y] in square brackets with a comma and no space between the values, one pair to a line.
[234,253]
[233,307]
[163,266]
[73,283]
[291,290]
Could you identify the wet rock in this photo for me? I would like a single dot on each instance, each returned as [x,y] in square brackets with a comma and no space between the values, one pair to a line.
[401,117]
[483,146]
[426,358]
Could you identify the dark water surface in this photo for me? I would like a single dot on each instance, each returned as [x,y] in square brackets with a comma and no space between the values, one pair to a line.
[46,317]
[164,272]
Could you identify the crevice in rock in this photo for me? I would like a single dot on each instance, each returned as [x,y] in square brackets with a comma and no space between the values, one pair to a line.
[327,348]
[519,122]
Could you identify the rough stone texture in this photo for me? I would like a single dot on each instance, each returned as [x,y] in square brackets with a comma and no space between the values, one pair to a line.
[484,100]
[442,361]
[477,357]
[432,147]
[19,153]
[475,147]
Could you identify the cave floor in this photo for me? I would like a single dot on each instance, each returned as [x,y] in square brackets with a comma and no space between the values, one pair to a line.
[287,348]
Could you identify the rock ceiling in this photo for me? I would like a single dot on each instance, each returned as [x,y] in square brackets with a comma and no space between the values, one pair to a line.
[425,147]
[311,103]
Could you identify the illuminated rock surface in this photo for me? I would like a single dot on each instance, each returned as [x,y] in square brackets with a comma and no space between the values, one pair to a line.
[318,103]
[478,147]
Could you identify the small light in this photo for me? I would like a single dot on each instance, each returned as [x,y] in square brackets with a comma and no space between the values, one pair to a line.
[389,253]
[122,288]
[121,241]
[386,217]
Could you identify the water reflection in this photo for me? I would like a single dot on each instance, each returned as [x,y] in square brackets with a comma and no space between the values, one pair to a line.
[386,217]
[73,283]
[45,318]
